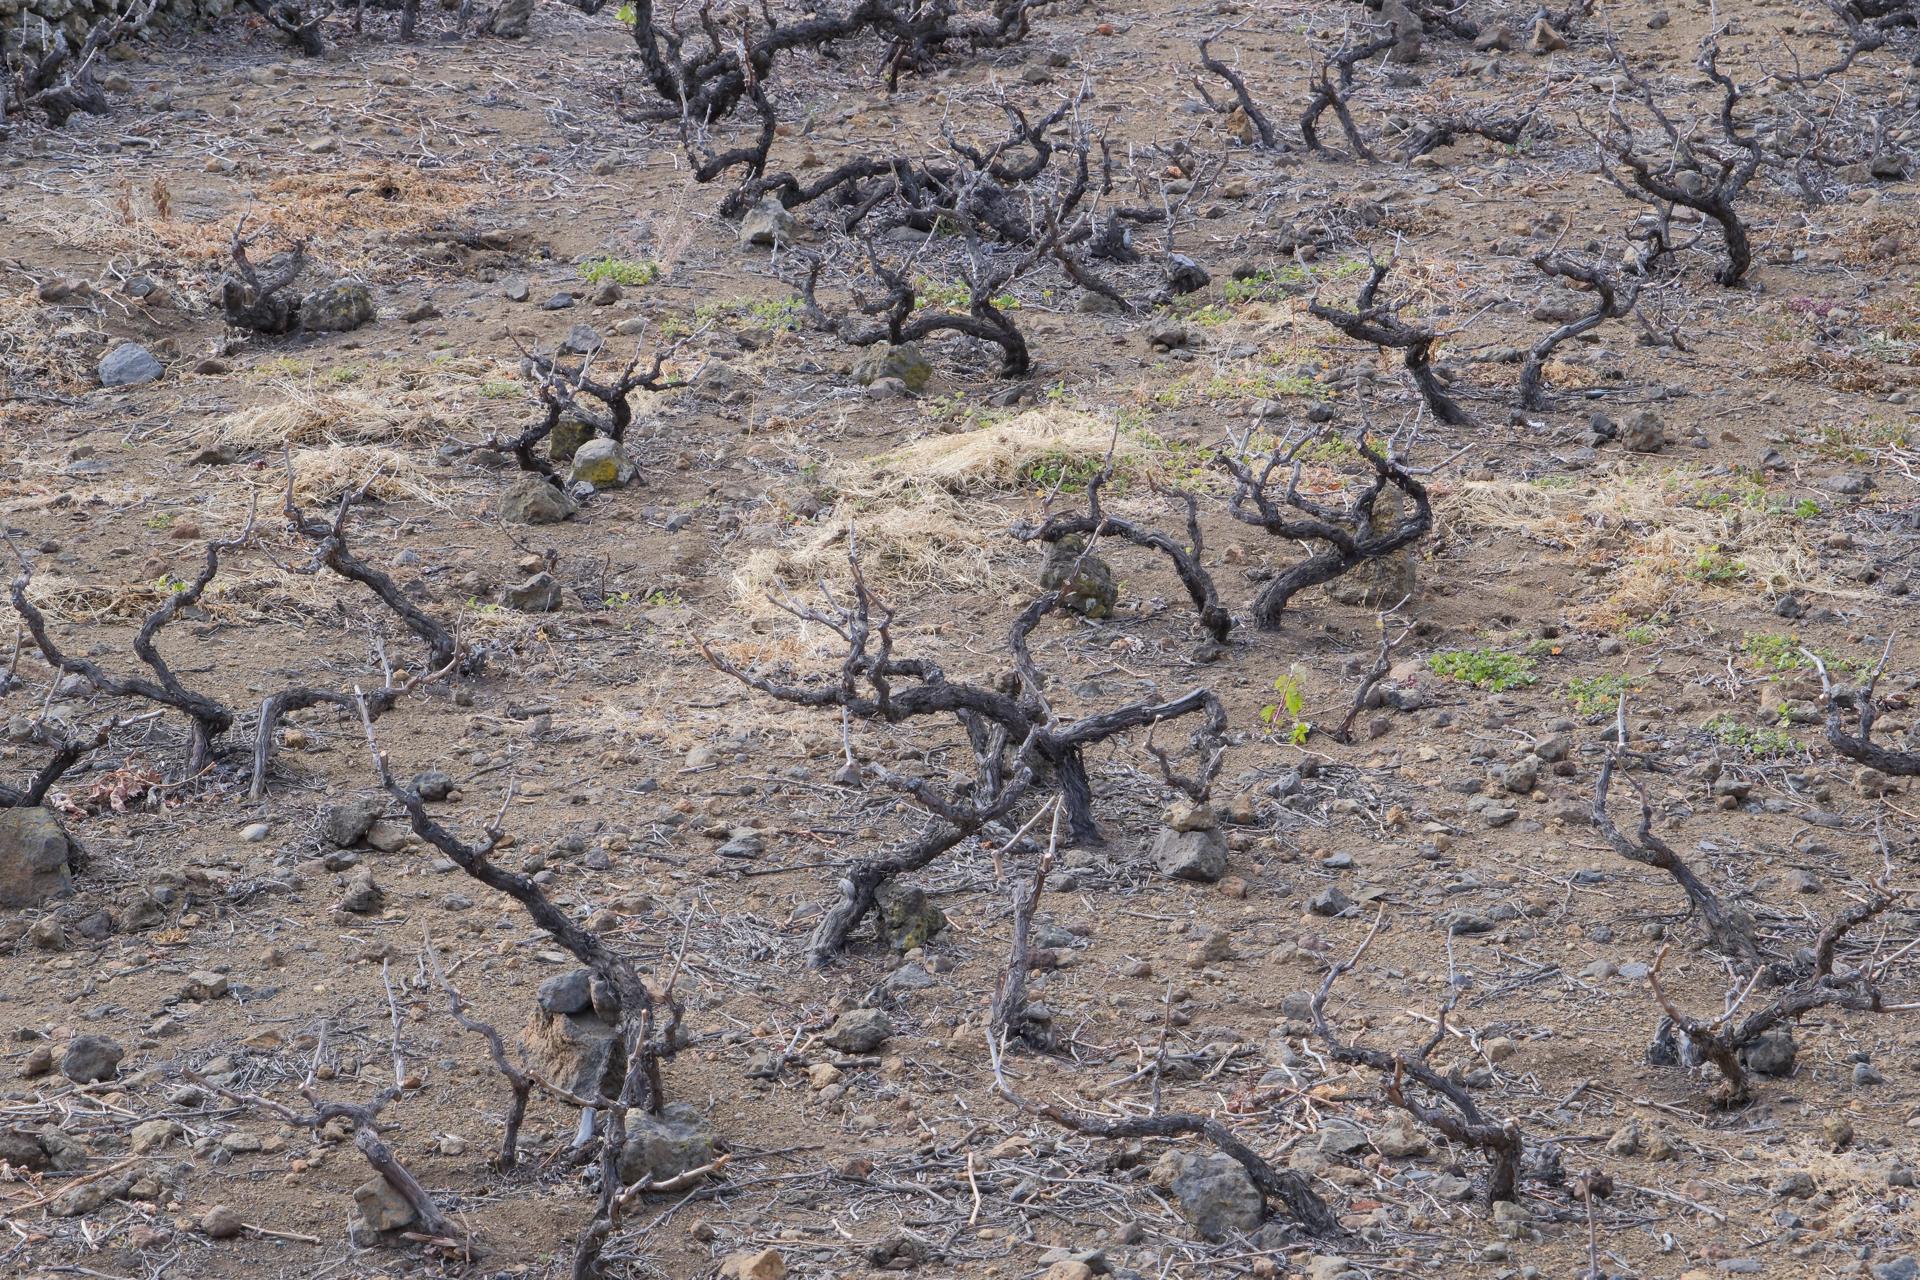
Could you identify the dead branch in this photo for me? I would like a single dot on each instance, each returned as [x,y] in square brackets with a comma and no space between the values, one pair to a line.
[388,1166]
[1680,170]
[1380,323]
[1348,536]
[1729,929]
[1010,1016]
[1722,1041]
[1461,1120]
[1256,118]
[59,81]
[1611,301]
[207,717]
[646,1045]
[1858,744]
[67,752]
[1382,663]
[519,1081]
[1186,560]
[1332,86]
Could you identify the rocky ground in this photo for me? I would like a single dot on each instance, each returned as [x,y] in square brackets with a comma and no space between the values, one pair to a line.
[216,998]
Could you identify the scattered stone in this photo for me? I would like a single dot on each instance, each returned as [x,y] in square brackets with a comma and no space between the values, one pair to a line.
[1644,433]
[1330,901]
[379,1206]
[534,501]
[765,1264]
[221,1223]
[538,594]
[570,992]
[341,306]
[515,289]
[905,918]
[363,896]
[883,360]
[255,832]
[204,984]
[151,1135]
[1625,1141]
[1904,1267]
[89,1059]
[1084,581]
[1544,38]
[346,825]
[603,464]
[433,784]
[743,842]
[1190,855]
[129,365]
[1216,1195]
[859,1031]
[34,852]
[767,223]
[1772,1054]
[1400,1138]
[1838,1131]
[659,1148]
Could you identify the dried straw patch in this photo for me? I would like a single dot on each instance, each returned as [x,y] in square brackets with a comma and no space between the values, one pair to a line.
[1660,550]
[322,475]
[925,516]
[1009,456]
[304,417]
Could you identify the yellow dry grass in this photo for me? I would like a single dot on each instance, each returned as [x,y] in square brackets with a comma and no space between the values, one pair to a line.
[304,416]
[1002,458]
[323,474]
[925,515]
[1662,547]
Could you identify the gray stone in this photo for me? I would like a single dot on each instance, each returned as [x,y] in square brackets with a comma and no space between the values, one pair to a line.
[1644,433]
[1085,583]
[859,1031]
[601,463]
[743,843]
[905,362]
[678,1140]
[1772,1054]
[1190,855]
[509,21]
[432,784]
[1330,901]
[1217,1196]
[363,896]
[570,992]
[345,825]
[337,308]
[534,501]
[767,223]
[34,852]
[129,365]
[538,594]
[515,289]
[379,1206]
[91,1058]
[1904,1267]
[904,916]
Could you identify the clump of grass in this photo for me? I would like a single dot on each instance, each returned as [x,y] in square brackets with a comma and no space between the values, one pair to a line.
[621,271]
[1714,565]
[1591,695]
[1761,744]
[1772,653]
[1484,668]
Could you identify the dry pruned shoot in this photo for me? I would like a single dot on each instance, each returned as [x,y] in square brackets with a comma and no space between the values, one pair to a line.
[66,753]
[646,1044]
[1379,323]
[1250,109]
[1722,1040]
[1680,169]
[1858,744]
[1347,536]
[1729,929]
[1461,1119]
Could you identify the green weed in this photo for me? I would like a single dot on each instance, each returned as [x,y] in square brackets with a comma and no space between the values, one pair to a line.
[1484,668]
[621,271]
